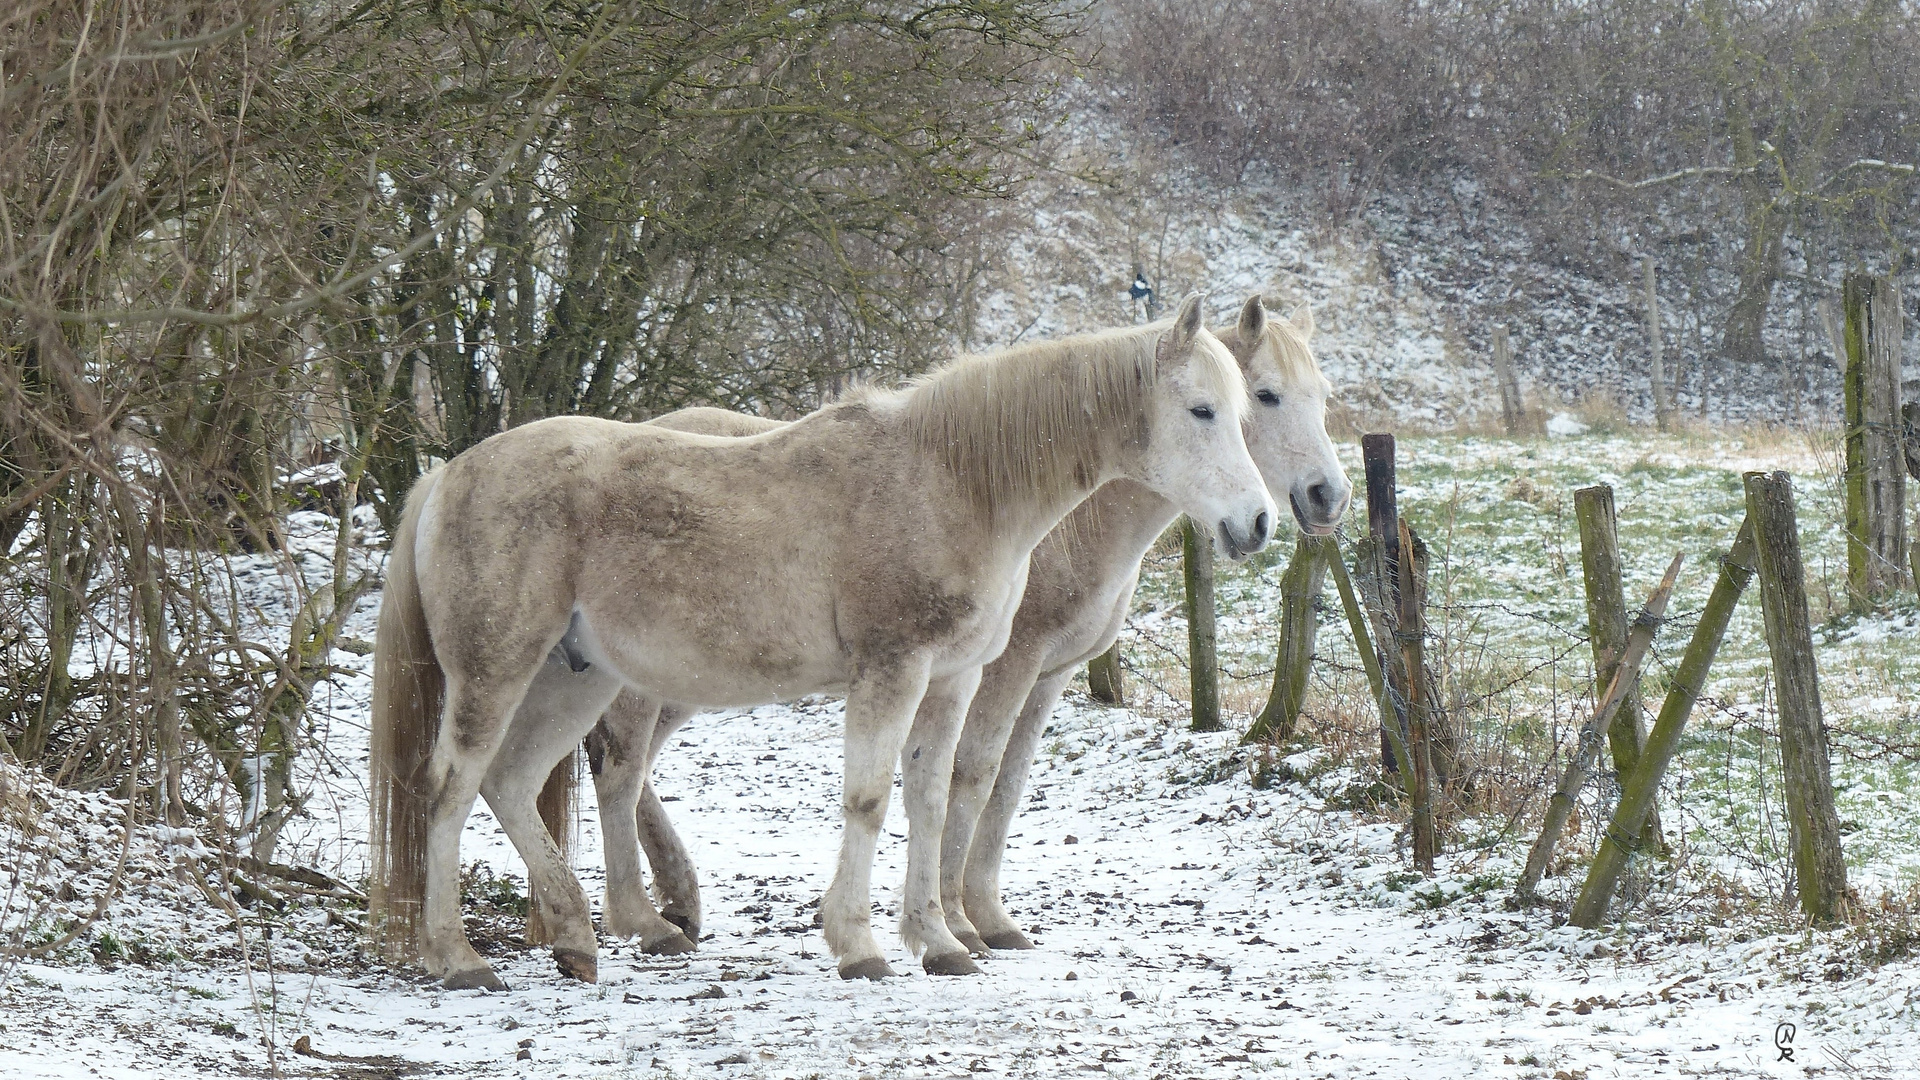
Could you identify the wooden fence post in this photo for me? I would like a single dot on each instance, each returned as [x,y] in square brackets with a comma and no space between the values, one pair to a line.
[1512,411]
[1626,674]
[1203,667]
[1814,827]
[1662,396]
[1600,562]
[1411,635]
[1300,589]
[1637,792]
[1876,467]
[1383,534]
[1105,683]
[1370,660]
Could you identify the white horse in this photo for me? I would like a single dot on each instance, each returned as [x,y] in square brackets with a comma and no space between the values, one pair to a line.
[878,548]
[1079,589]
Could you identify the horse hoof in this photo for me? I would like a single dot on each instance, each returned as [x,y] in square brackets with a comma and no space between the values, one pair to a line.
[1009,939]
[670,945]
[972,940]
[688,925]
[875,969]
[480,978]
[950,964]
[577,965]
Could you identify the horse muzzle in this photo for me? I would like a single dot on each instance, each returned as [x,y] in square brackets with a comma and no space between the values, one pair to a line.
[1319,507]
[1240,543]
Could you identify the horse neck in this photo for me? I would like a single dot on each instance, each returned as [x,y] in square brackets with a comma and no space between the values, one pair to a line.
[1024,527]
[1029,435]
[1111,531]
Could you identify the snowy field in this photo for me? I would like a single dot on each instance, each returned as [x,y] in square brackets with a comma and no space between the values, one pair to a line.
[1189,923]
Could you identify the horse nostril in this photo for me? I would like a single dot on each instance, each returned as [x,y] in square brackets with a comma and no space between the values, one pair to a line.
[1260,527]
[1321,496]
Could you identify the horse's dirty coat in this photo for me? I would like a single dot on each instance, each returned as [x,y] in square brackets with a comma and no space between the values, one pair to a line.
[680,557]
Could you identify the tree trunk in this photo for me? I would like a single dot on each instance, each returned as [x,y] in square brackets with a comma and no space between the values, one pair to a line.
[1740,335]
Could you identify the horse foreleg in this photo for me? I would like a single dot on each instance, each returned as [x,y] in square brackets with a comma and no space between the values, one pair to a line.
[926,767]
[981,874]
[1004,685]
[675,883]
[622,740]
[880,707]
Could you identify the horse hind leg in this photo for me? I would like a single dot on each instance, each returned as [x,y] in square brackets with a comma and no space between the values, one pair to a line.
[559,707]
[477,714]
[675,882]
[981,875]
[619,746]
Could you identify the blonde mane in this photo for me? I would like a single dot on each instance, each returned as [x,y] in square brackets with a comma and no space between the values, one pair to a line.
[1042,419]
[1295,358]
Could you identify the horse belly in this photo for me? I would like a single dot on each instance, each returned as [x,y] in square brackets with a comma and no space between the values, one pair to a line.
[717,665]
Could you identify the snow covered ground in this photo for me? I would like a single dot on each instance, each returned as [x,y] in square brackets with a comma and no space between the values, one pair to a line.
[1186,929]
[1189,923]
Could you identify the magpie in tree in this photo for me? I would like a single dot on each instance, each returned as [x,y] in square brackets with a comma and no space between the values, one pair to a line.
[1140,290]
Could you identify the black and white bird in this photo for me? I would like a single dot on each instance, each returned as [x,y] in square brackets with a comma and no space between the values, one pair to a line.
[1140,289]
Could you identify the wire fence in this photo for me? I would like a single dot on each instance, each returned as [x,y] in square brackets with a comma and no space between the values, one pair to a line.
[1515,683]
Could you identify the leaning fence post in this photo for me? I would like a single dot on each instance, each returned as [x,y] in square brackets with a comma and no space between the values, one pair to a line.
[1383,530]
[1815,828]
[1369,659]
[1587,747]
[1202,639]
[1593,508]
[1637,791]
[1300,589]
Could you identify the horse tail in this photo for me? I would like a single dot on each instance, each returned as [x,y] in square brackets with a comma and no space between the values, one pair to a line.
[559,807]
[409,689]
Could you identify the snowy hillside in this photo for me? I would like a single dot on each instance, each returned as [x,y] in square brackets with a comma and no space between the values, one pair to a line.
[1405,293]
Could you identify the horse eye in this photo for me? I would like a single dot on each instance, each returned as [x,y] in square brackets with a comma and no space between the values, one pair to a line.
[1204,412]
[1268,397]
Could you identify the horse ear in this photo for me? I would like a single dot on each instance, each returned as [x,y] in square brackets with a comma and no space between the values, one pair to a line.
[1190,318]
[1187,325]
[1302,319]
[1253,319]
